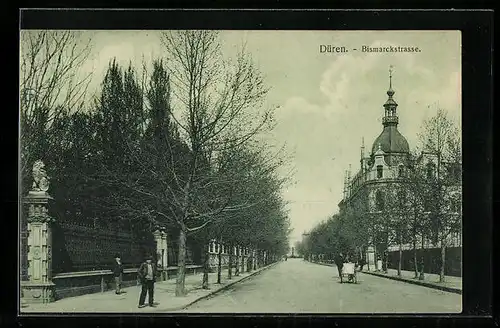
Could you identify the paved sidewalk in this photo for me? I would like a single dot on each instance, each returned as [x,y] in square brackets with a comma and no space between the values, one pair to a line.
[164,296]
[451,284]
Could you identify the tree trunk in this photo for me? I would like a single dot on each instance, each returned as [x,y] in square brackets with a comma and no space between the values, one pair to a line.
[400,256]
[230,262]
[181,265]
[422,275]
[386,253]
[360,256]
[243,260]
[254,259]
[219,263]
[237,261]
[206,268]
[415,259]
[443,261]
[249,261]
[386,262]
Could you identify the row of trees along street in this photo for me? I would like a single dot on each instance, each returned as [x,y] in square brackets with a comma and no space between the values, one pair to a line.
[422,207]
[175,143]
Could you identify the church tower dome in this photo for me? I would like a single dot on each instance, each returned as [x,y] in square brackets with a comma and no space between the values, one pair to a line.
[390,140]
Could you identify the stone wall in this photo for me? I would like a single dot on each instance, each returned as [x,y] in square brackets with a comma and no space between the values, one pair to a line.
[432,260]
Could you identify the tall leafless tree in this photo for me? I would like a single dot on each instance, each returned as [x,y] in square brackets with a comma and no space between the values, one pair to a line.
[441,138]
[215,107]
[51,84]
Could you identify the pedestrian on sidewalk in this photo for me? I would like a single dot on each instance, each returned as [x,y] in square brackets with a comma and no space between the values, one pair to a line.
[118,273]
[339,262]
[147,277]
[362,263]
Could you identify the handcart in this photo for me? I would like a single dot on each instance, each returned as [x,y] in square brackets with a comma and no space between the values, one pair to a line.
[349,272]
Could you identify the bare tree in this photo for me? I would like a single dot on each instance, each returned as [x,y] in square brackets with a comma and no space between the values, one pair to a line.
[440,138]
[214,106]
[411,192]
[51,84]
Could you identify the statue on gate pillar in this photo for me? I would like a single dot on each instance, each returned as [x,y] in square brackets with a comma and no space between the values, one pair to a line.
[39,288]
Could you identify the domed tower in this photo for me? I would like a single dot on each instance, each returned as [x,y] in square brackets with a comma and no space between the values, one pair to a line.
[391,141]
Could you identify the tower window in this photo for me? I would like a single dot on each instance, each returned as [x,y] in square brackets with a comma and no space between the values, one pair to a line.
[401,171]
[379,200]
[380,171]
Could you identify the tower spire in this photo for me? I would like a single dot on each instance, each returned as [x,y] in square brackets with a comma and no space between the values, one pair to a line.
[362,155]
[390,105]
[390,77]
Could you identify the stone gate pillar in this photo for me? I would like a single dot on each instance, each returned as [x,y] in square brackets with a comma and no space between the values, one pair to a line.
[160,237]
[370,258]
[39,288]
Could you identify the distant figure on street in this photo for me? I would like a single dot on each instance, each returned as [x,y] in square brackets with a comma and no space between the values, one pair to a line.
[339,262]
[118,273]
[361,263]
[147,277]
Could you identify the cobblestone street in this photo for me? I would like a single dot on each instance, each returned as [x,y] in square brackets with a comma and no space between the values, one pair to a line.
[299,286]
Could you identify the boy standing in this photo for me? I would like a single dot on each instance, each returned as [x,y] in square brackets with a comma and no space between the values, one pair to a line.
[118,273]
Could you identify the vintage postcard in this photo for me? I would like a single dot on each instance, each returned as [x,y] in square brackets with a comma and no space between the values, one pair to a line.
[240,171]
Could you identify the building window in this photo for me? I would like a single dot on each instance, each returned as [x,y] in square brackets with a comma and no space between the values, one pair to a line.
[404,196]
[455,206]
[427,205]
[211,248]
[379,200]
[401,171]
[380,171]
[430,170]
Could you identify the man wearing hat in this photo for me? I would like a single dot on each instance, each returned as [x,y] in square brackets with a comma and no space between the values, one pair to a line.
[118,273]
[147,277]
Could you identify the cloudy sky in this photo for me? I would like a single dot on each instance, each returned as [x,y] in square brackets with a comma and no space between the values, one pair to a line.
[327,101]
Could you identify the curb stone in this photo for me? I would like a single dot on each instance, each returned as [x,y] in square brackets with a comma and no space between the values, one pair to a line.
[222,288]
[417,282]
[410,281]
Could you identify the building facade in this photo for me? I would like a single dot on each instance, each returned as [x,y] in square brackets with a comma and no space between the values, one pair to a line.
[375,184]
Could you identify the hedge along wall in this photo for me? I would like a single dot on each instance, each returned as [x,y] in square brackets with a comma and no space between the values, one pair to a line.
[432,260]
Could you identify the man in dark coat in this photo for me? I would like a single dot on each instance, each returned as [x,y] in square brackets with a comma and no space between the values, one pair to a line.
[147,277]
[118,273]
[339,262]
[362,263]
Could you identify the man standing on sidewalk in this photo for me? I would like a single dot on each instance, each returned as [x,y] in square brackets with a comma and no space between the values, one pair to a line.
[118,273]
[147,277]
